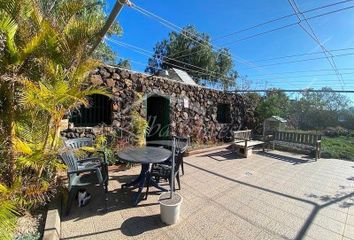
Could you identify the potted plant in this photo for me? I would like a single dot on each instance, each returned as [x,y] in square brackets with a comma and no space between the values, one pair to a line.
[170,202]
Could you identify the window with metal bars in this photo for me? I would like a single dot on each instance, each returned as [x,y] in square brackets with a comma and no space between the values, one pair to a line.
[99,112]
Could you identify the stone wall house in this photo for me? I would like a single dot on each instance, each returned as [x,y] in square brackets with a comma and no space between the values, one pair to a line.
[204,114]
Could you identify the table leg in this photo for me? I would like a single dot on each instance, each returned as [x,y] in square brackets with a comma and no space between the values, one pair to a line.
[139,182]
[137,196]
[136,182]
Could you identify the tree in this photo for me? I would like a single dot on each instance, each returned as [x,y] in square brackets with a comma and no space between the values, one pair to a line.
[93,9]
[192,51]
[43,75]
[274,103]
[124,63]
[318,110]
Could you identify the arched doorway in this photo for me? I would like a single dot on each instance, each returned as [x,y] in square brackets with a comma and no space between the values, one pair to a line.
[99,112]
[158,117]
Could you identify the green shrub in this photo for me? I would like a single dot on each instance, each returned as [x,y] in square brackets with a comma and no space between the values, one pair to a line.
[35,236]
[341,147]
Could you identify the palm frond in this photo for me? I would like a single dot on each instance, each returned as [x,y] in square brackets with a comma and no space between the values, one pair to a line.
[35,42]
[7,213]
[36,160]
[83,70]
[9,27]
[68,10]
[22,147]
[8,219]
[36,14]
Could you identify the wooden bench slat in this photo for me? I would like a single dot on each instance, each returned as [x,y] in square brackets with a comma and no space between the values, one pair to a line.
[309,139]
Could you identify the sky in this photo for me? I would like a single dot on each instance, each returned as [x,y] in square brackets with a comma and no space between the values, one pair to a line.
[254,56]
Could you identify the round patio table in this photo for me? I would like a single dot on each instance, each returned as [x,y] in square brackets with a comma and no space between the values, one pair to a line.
[146,156]
[182,145]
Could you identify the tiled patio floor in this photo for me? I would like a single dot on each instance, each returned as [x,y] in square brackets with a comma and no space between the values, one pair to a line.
[275,195]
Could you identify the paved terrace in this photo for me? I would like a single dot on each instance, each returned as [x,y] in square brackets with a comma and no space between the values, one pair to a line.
[275,195]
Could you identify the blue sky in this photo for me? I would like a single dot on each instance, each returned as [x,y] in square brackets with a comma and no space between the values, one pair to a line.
[218,18]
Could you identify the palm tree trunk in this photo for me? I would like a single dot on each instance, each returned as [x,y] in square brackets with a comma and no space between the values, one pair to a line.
[8,154]
[56,136]
[47,133]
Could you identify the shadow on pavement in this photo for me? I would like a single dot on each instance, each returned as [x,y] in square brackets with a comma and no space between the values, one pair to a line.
[135,226]
[223,155]
[286,158]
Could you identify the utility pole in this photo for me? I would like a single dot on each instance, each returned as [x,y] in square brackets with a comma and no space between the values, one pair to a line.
[112,16]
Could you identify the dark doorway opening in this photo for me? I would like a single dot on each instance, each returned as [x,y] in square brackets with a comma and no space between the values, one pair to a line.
[158,117]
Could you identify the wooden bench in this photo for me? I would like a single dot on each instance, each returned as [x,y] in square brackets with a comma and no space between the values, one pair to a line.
[306,139]
[243,142]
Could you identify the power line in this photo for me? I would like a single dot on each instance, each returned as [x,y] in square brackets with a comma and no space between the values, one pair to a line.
[304,71]
[302,76]
[280,18]
[273,30]
[302,60]
[270,21]
[173,26]
[295,90]
[143,64]
[314,36]
[286,26]
[301,54]
[276,82]
[144,52]
[147,52]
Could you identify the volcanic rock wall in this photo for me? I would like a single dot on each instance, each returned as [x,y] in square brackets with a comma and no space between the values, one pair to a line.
[193,109]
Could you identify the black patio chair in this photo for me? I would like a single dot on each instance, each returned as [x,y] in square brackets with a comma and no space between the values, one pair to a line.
[78,143]
[183,144]
[163,170]
[81,176]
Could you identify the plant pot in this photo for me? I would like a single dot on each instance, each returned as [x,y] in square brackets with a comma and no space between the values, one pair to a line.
[170,208]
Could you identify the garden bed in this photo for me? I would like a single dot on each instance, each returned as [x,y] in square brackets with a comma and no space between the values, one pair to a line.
[341,147]
[30,226]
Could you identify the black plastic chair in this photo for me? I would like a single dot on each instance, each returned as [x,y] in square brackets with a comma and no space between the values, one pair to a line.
[182,143]
[163,170]
[77,143]
[80,176]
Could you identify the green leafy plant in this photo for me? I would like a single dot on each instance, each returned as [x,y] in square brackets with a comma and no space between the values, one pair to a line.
[139,124]
[44,75]
[341,147]
[8,214]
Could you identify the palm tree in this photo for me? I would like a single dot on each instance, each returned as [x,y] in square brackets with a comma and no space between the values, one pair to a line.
[44,69]
[48,66]
[18,48]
